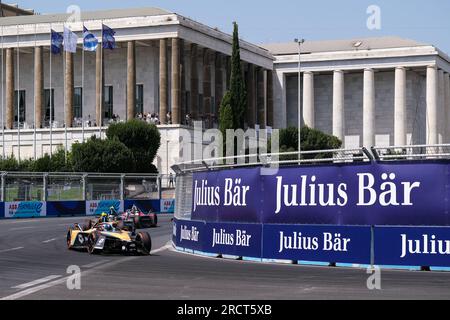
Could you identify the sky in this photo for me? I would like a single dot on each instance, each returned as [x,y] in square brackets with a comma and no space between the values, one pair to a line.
[268,21]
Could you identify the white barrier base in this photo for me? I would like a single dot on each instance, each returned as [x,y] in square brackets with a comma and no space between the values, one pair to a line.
[230,257]
[279,261]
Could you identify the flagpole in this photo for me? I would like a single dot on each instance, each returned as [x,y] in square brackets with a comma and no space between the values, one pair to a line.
[101,84]
[34,105]
[64,95]
[3,95]
[51,96]
[82,88]
[18,95]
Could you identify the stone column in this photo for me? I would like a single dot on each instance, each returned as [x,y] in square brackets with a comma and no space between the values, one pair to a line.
[176,82]
[441,102]
[338,105]
[9,88]
[369,109]
[69,89]
[163,81]
[308,99]
[270,76]
[38,86]
[400,107]
[260,97]
[432,105]
[206,83]
[194,82]
[447,108]
[99,87]
[218,82]
[251,93]
[131,80]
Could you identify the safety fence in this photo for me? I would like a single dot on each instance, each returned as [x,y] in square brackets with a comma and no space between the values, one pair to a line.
[387,206]
[29,194]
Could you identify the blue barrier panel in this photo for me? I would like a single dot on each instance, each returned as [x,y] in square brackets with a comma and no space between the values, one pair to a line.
[97,207]
[66,208]
[190,234]
[25,209]
[341,244]
[167,206]
[242,240]
[344,194]
[412,246]
[145,205]
[2,210]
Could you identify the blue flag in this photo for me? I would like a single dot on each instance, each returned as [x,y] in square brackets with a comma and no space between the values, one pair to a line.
[90,42]
[57,41]
[109,42]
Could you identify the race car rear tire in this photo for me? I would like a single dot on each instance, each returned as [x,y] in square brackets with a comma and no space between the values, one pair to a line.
[154,221]
[91,244]
[145,242]
[69,239]
[137,222]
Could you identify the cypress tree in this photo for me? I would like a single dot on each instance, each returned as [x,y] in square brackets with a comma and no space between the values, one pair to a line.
[238,92]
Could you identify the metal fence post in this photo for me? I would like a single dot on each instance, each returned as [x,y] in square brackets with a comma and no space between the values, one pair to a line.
[83,186]
[44,186]
[159,187]
[3,186]
[122,187]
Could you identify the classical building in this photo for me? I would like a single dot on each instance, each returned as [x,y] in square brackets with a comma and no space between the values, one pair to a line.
[10,10]
[377,91]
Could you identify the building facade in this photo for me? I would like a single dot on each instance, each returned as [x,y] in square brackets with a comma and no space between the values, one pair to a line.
[368,92]
[377,91]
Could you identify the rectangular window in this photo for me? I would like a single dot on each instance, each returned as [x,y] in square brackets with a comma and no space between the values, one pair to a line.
[78,103]
[108,103]
[139,99]
[19,106]
[49,100]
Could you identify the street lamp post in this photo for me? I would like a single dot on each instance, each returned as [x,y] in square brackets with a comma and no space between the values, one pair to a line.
[299,42]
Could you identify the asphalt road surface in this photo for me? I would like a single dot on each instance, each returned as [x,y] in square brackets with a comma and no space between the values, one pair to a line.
[34,260]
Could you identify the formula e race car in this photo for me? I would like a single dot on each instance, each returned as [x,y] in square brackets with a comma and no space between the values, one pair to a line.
[108,237]
[140,219]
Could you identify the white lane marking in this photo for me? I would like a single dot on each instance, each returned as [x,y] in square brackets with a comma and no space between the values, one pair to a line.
[36,282]
[50,240]
[164,248]
[22,228]
[29,291]
[94,264]
[12,249]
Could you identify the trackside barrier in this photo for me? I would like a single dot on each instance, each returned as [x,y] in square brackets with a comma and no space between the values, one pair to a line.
[387,207]
[386,246]
[35,209]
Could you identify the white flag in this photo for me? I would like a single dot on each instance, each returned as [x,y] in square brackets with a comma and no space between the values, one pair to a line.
[70,40]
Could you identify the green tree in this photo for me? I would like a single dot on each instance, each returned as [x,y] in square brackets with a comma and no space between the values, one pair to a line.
[142,139]
[238,92]
[311,140]
[226,114]
[109,156]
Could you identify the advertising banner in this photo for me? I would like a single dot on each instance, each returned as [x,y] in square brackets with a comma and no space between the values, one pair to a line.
[242,240]
[412,246]
[356,194]
[97,207]
[190,234]
[227,196]
[145,205]
[66,208]
[167,206]
[25,209]
[317,243]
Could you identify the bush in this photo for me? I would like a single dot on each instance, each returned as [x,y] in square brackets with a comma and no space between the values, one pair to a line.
[311,140]
[142,139]
[108,156]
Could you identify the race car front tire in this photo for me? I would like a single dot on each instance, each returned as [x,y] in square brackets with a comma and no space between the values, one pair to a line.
[145,242]
[91,244]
